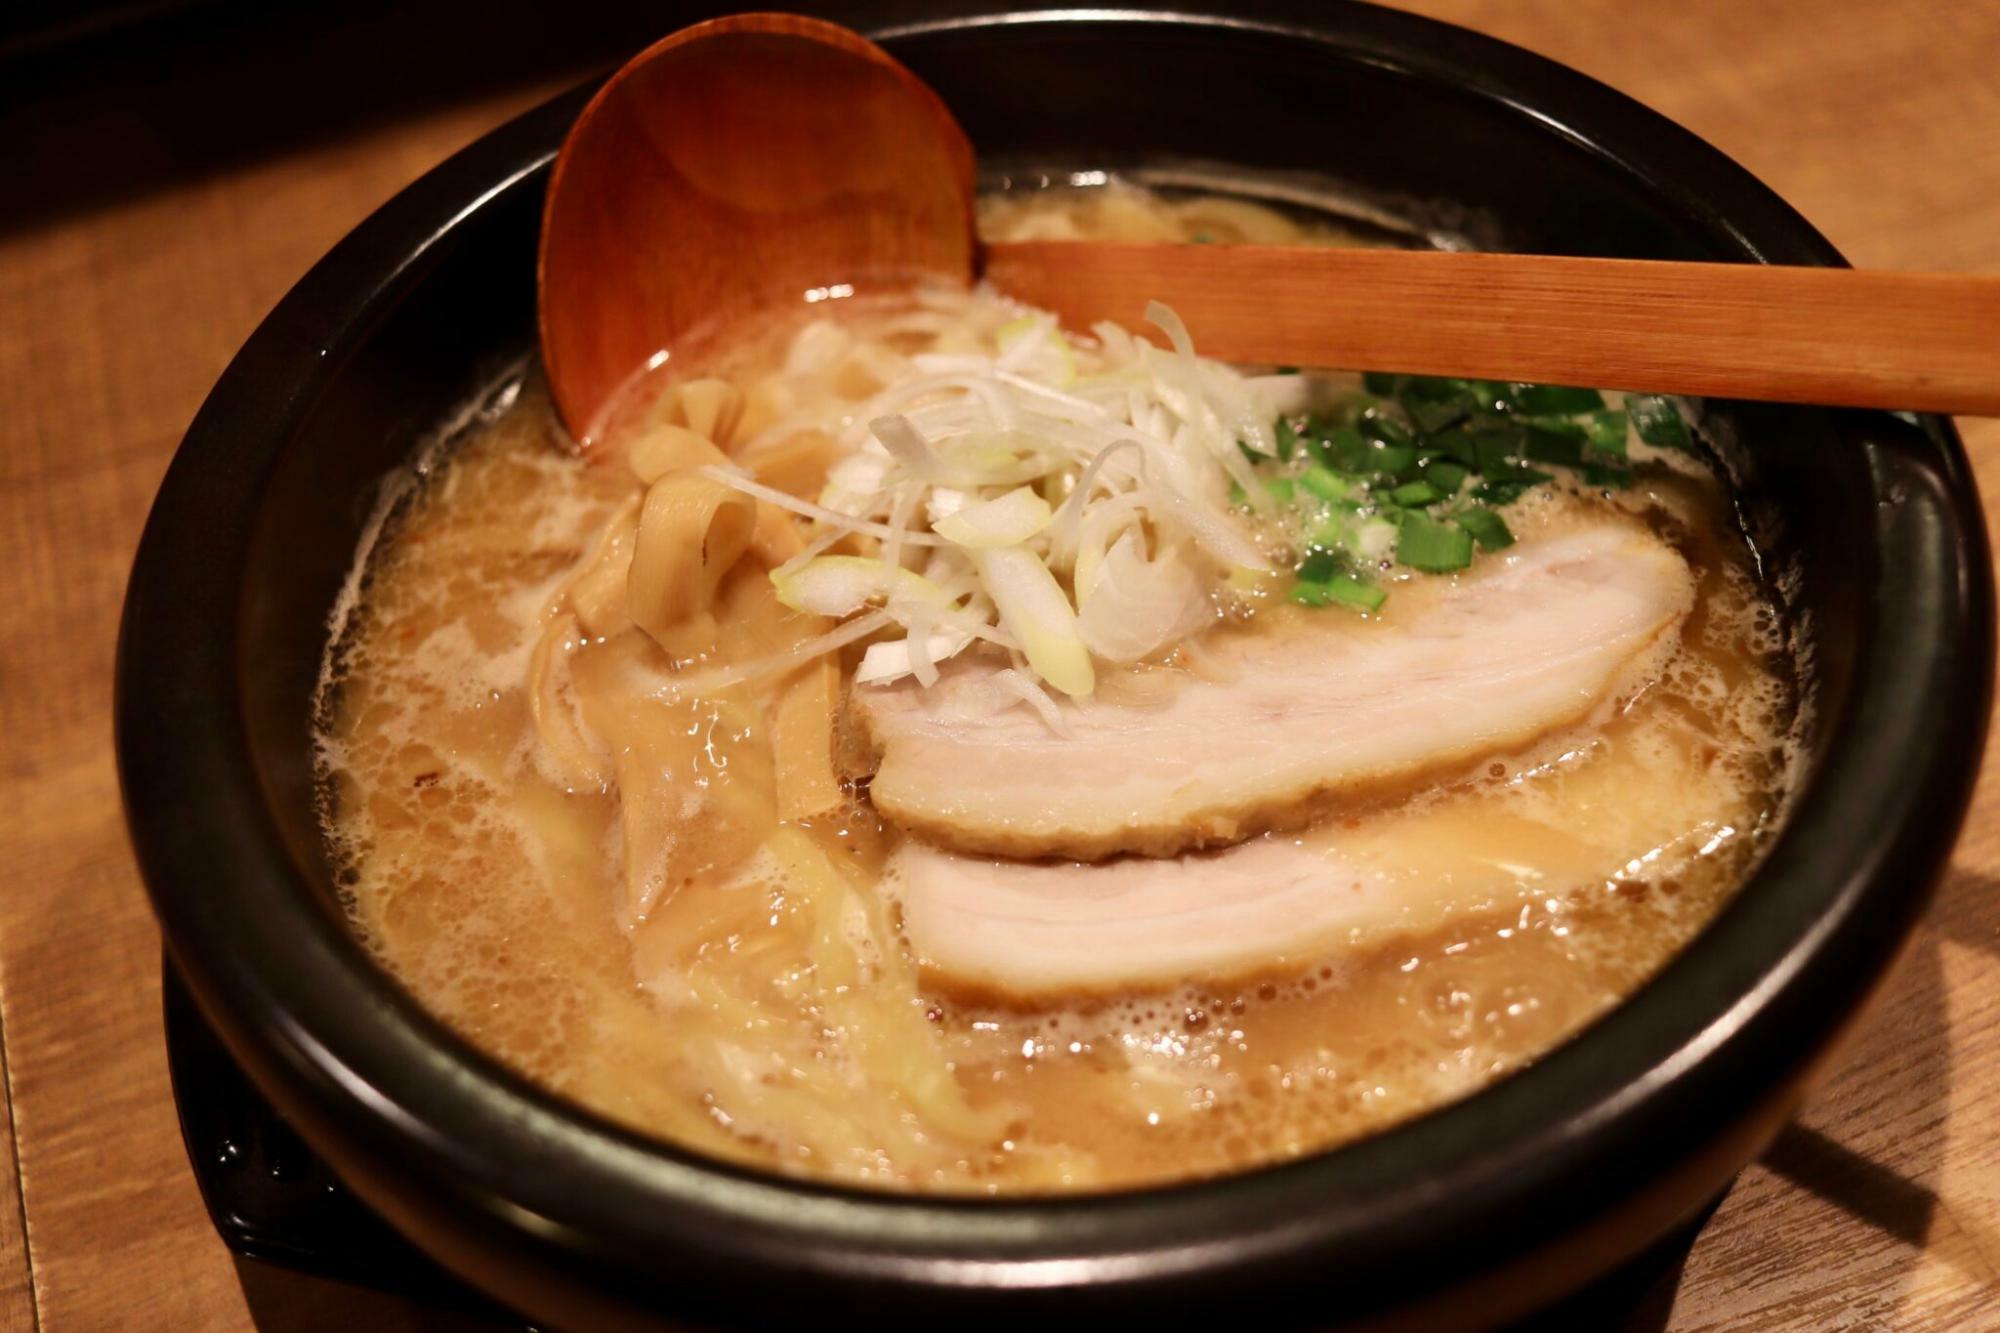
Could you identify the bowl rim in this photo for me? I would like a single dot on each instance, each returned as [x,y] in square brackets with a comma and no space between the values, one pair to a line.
[1819,912]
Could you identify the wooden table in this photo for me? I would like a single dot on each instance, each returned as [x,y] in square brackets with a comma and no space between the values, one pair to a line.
[122,299]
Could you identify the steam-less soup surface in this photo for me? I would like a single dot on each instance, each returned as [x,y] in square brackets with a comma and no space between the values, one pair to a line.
[915,745]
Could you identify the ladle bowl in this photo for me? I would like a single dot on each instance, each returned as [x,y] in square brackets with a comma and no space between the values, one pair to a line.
[738,164]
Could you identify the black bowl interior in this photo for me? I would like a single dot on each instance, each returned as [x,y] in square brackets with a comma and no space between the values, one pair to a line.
[1867,520]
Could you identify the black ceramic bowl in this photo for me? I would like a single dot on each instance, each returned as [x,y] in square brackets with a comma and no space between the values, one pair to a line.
[1464,1216]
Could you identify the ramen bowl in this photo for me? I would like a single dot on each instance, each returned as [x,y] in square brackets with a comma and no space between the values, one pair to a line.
[1466,1216]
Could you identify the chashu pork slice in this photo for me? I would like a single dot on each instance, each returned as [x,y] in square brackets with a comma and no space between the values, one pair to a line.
[1029,932]
[1292,721]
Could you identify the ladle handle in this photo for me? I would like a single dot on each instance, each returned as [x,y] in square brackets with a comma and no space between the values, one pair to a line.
[1916,341]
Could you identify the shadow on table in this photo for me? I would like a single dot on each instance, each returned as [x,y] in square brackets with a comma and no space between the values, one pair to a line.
[1896,1071]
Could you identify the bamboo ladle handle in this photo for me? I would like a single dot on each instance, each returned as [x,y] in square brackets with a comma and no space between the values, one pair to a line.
[1918,341]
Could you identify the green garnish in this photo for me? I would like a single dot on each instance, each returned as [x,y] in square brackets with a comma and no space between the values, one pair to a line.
[1607,431]
[1384,430]
[1339,590]
[1486,527]
[1496,449]
[1342,449]
[1505,489]
[1455,443]
[1541,399]
[1330,485]
[1434,403]
[1658,422]
[1447,477]
[1319,565]
[1288,439]
[1393,460]
[1415,469]
[1348,591]
[1569,428]
[1434,547]
[1541,444]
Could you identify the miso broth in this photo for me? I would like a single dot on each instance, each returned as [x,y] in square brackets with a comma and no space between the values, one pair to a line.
[575,836]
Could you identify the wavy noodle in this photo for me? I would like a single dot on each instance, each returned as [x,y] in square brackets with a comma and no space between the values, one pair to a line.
[691,531]
[709,407]
[797,463]
[677,822]
[576,756]
[802,728]
[669,448]
[597,593]
[875,1001]
[770,402]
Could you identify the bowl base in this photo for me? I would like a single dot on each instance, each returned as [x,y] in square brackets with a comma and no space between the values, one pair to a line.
[292,1225]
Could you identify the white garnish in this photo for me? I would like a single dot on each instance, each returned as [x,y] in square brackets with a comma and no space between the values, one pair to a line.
[1068,499]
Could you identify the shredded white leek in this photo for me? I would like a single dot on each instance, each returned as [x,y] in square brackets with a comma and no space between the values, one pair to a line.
[1068,498]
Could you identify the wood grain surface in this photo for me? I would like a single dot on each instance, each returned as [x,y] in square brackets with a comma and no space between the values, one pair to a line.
[122,299]
[1772,332]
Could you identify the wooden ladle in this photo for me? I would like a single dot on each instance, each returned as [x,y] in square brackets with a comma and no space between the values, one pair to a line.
[771,158]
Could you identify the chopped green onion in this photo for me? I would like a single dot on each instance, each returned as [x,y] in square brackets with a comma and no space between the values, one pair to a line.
[1543,445]
[1607,433]
[1319,566]
[1456,444]
[1373,425]
[1508,486]
[1487,528]
[1411,442]
[1350,592]
[1492,395]
[1658,421]
[1541,399]
[1393,459]
[1568,427]
[1435,416]
[1340,590]
[1434,403]
[1329,485]
[1448,477]
[1498,448]
[1435,548]
[1342,449]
